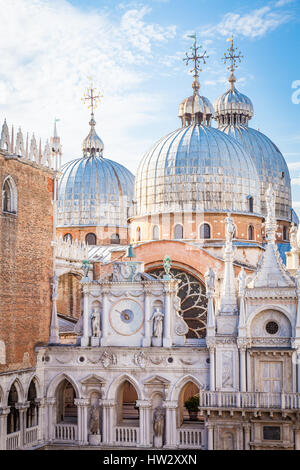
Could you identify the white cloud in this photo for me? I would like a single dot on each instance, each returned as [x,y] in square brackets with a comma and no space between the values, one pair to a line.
[295,181]
[252,25]
[49,49]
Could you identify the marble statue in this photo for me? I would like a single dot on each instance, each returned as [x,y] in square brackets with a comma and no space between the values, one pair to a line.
[242,280]
[157,319]
[293,237]
[158,426]
[95,324]
[167,265]
[210,279]
[86,267]
[229,228]
[94,420]
[270,202]
[54,286]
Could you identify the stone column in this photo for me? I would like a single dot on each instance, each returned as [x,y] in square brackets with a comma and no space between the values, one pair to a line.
[243,379]
[247,430]
[170,424]
[41,408]
[85,337]
[210,436]
[108,422]
[51,421]
[167,339]
[212,379]
[82,421]
[298,370]
[147,305]
[105,313]
[145,408]
[3,426]
[22,407]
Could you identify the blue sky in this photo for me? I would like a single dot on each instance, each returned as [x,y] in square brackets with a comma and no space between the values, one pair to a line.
[134,51]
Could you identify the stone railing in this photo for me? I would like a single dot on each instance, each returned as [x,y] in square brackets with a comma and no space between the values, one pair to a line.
[220,399]
[71,251]
[126,435]
[13,441]
[190,438]
[66,432]
[31,436]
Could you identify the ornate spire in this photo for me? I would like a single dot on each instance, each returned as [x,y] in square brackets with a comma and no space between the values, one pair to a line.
[270,225]
[228,297]
[233,56]
[56,149]
[196,58]
[92,144]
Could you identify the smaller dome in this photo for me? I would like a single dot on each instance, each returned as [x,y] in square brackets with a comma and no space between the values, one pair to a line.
[233,107]
[92,144]
[198,106]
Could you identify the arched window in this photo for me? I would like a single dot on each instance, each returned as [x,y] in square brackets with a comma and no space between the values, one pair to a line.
[205,231]
[250,203]
[138,234]
[13,418]
[32,411]
[156,232]
[178,232]
[127,411]
[115,239]
[65,398]
[250,232]
[285,233]
[9,196]
[91,239]
[68,238]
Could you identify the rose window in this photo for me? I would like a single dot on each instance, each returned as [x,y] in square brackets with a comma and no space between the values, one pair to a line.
[193,301]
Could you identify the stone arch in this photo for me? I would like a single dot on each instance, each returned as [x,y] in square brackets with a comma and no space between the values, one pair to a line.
[33,410]
[1,396]
[185,388]
[51,390]
[37,384]
[114,385]
[178,386]
[19,387]
[275,308]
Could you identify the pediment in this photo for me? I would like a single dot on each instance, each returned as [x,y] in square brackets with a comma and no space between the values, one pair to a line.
[92,379]
[157,380]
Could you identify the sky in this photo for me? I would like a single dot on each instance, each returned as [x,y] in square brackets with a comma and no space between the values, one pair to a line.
[133,51]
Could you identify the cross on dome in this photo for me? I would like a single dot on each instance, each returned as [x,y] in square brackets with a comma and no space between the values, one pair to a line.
[196,57]
[92,144]
[234,56]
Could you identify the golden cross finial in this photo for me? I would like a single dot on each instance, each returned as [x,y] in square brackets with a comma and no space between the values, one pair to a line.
[233,56]
[196,57]
[92,95]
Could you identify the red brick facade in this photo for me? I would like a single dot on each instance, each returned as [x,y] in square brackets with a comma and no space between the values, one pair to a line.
[26,262]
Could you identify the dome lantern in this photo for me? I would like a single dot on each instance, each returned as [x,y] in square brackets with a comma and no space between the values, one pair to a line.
[92,144]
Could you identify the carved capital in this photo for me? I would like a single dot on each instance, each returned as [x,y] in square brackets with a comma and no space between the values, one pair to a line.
[170,404]
[107,403]
[81,402]
[4,411]
[143,403]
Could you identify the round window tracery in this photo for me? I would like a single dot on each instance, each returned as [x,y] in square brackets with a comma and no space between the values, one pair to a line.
[193,301]
[272,327]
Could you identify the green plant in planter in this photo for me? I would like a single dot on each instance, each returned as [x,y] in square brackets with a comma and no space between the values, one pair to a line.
[192,404]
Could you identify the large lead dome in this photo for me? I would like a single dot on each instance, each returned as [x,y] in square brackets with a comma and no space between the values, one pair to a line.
[196,168]
[94,190]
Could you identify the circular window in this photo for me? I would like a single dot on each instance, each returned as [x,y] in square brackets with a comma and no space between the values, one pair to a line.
[81,359]
[170,359]
[272,327]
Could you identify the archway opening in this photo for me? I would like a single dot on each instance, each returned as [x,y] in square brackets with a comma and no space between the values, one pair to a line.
[91,239]
[13,418]
[188,411]
[65,399]
[128,412]
[32,411]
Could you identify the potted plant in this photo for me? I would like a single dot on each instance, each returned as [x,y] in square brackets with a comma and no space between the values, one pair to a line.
[192,405]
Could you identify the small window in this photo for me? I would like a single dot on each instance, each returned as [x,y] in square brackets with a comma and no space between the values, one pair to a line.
[178,232]
[250,204]
[115,239]
[91,239]
[272,327]
[138,234]
[285,233]
[271,433]
[155,232]
[205,231]
[250,232]
[9,196]
[68,238]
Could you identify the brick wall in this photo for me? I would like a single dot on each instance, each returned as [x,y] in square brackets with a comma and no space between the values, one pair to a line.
[26,262]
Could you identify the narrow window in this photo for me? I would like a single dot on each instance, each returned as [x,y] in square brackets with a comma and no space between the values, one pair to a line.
[205,231]
[285,233]
[155,232]
[91,239]
[178,232]
[138,234]
[250,232]
[68,238]
[250,204]
[115,239]
[9,196]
